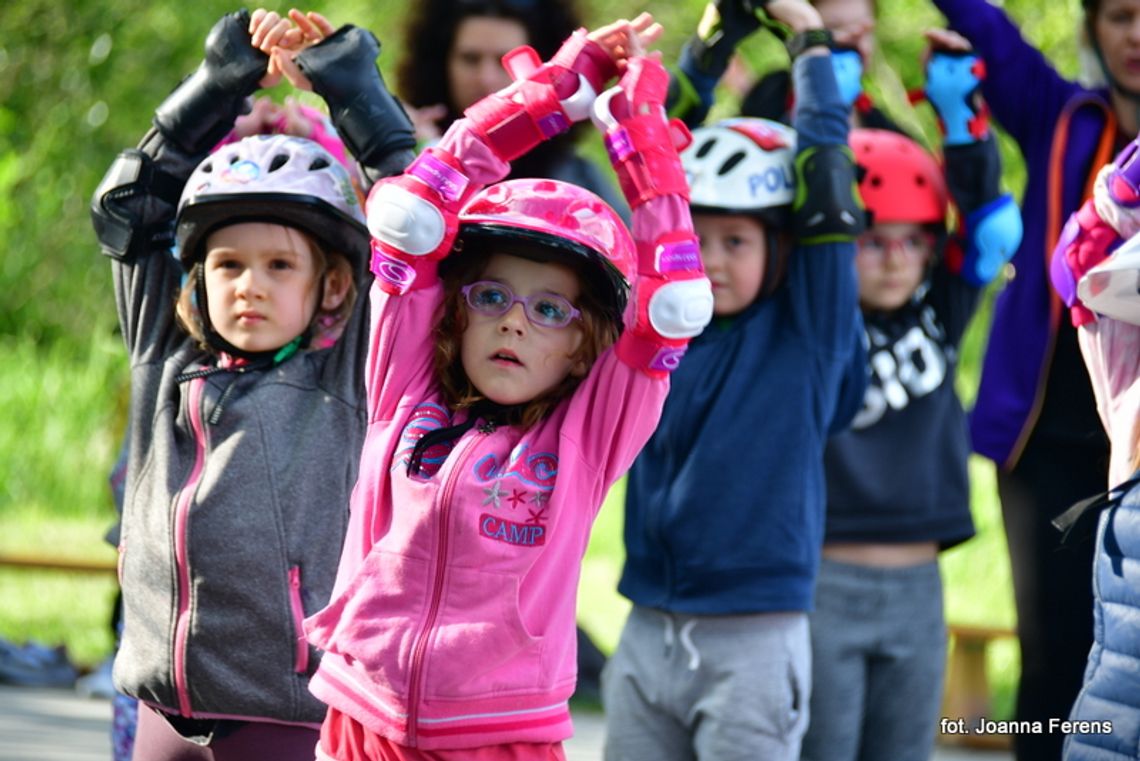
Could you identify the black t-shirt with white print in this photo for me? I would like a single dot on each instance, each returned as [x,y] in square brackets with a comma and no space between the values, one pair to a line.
[899,473]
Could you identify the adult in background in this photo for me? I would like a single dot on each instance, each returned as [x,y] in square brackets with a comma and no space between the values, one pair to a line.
[1035,416]
[453,57]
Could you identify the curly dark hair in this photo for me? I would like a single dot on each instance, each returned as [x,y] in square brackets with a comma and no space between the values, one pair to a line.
[421,74]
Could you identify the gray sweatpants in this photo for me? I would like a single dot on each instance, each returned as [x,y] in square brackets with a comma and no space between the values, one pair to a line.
[714,688]
[878,656]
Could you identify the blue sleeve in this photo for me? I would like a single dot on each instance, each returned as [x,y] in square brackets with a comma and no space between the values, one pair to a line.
[820,117]
[1024,91]
[691,91]
[853,385]
[821,276]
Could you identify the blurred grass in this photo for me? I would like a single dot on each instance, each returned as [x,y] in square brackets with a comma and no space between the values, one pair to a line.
[60,435]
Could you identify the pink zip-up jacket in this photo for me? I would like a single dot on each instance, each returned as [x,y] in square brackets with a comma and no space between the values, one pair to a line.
[452,620]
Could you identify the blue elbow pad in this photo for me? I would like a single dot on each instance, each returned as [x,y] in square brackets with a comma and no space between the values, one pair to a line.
[994,232]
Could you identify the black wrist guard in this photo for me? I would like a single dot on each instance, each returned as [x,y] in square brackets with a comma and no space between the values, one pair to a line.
[202,109]
[808,38]
[973,173]
[368,118]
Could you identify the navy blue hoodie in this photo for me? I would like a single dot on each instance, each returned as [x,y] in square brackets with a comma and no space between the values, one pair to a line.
[725,505]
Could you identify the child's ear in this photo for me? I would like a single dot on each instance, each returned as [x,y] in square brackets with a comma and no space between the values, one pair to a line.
[337,282]
[579,369]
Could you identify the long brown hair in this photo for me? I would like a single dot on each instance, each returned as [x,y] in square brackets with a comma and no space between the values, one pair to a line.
[598,333]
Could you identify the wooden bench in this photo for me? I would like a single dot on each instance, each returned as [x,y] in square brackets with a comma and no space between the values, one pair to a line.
[967,694]
[37,562]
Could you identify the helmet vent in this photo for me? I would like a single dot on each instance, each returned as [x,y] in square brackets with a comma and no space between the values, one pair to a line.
[730,163]
[318,163]
[280,160]
[207,167]
[919,180]
[705,147]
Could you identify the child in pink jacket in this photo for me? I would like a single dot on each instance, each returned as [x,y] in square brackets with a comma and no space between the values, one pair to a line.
[508,388]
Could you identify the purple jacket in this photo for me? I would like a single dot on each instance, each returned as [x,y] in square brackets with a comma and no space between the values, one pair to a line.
[1028,312]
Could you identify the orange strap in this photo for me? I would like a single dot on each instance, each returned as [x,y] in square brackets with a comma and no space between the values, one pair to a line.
[1056,178]
[1053,223]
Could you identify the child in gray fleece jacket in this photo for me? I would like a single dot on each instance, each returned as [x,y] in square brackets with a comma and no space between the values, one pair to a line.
[246,424]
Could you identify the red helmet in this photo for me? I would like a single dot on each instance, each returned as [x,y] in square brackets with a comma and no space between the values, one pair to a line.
[564,223]
[901,182]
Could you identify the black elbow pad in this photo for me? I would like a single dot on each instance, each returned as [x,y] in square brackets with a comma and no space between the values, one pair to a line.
[122,208]
[827,206]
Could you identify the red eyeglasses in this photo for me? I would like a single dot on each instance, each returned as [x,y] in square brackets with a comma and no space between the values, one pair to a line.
[913,246]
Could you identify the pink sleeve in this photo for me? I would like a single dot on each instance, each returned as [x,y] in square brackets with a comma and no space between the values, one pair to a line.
[1111,349]
[400,348]
[612,415]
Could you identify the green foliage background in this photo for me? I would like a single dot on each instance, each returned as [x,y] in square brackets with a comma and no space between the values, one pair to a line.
[79,80]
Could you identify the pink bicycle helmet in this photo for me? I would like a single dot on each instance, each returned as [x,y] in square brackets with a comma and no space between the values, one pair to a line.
[273,178]
[901,182]
[556,221]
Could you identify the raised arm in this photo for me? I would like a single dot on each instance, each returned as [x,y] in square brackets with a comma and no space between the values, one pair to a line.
[133,208]
[414,217]
[990,227]
[341,68]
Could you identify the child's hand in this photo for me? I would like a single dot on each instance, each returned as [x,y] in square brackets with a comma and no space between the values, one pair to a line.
[790,16]
[283,38]
[259,120]
[946,39]
[624,39]
[426,121]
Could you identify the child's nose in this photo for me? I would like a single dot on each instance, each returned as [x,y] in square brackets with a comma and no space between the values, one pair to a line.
[514,319]
[249,284]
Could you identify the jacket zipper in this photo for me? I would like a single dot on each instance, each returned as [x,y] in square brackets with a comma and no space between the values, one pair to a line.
[181,530]
[415,687]
[301,653]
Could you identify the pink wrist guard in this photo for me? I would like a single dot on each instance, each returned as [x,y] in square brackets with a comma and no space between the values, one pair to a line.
[517,118]
[645,160]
